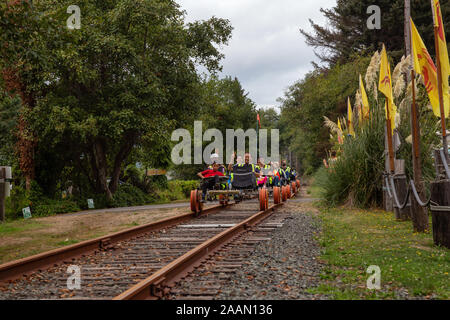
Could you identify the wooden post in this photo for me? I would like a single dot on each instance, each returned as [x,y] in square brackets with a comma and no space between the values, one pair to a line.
[2,194]
[419,215]
[440,194]
[407,27]
[401,186]
[388,201]
[389,138]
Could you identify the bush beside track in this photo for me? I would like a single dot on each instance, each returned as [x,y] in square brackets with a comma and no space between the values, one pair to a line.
[126,196]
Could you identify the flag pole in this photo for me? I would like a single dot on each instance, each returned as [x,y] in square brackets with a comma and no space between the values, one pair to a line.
[389,137]
[415,122]
[439,80]
[348,116]
[420,216]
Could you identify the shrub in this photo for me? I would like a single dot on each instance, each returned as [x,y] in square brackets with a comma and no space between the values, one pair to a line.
[187,186]
[128,195]
[356,175]
[63,206]
[40,205]
[18,200]
[177,190]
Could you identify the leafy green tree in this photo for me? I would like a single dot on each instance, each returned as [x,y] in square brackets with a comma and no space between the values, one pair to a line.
[224,104]
[124,80]
[269,118]
[23,61]
[9,114]
[305,104]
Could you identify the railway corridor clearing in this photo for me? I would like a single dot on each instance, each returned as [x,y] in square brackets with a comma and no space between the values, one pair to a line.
[113,270]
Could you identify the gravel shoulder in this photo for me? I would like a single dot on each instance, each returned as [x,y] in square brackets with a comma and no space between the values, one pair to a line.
[285,267]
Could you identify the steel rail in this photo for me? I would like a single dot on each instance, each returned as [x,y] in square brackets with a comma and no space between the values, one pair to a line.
[159,283]
[15,269]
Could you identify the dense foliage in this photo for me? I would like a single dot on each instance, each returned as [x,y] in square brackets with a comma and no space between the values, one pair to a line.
[307,101]
[223,105]
[346,32]
[356,177]
[80,106]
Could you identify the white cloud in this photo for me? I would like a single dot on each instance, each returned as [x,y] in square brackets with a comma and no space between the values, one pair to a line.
[267,52]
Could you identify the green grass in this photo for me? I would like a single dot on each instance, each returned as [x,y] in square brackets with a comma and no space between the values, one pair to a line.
[315,191]
[11,227]
[353,239]
[131,224]
[67,242]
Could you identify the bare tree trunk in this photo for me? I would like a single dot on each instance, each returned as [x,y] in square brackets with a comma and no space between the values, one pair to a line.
[26,141]
[102,165]
[123,153]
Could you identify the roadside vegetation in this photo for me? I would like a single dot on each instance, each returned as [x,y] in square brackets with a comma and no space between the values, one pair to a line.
[128,195]
[85,112]
[354,239]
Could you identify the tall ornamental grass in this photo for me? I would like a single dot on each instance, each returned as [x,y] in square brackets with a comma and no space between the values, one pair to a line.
[356,177]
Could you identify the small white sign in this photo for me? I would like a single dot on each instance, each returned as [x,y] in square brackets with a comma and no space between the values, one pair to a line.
[91,203]
[26,213]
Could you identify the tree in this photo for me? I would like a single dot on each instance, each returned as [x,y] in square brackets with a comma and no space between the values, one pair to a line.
[124,80]
[224,104]
[269,118]
[347,34]
[22,62]
[305,104]
[9,114]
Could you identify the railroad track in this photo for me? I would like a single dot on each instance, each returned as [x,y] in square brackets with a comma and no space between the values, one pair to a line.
[139,263]
[208,280]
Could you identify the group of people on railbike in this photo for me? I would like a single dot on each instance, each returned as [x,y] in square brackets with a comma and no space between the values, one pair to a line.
[242,174]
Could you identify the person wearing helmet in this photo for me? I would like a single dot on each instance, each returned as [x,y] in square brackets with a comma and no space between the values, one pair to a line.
[209,179]
[276,174]
[284,173]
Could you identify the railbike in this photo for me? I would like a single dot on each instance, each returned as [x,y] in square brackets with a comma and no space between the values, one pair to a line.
[242,185]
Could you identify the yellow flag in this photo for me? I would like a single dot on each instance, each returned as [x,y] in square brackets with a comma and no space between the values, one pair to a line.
[351,130]
[443,53]
[365,100]
[424,65]
[340,135]
[385,86]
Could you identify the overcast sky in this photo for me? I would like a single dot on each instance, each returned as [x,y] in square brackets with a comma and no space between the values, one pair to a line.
[267,52]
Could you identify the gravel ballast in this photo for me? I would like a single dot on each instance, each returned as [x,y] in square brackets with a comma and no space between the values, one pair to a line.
[283,268]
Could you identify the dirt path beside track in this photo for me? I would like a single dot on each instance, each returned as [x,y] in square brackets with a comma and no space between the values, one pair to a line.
[22,238]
